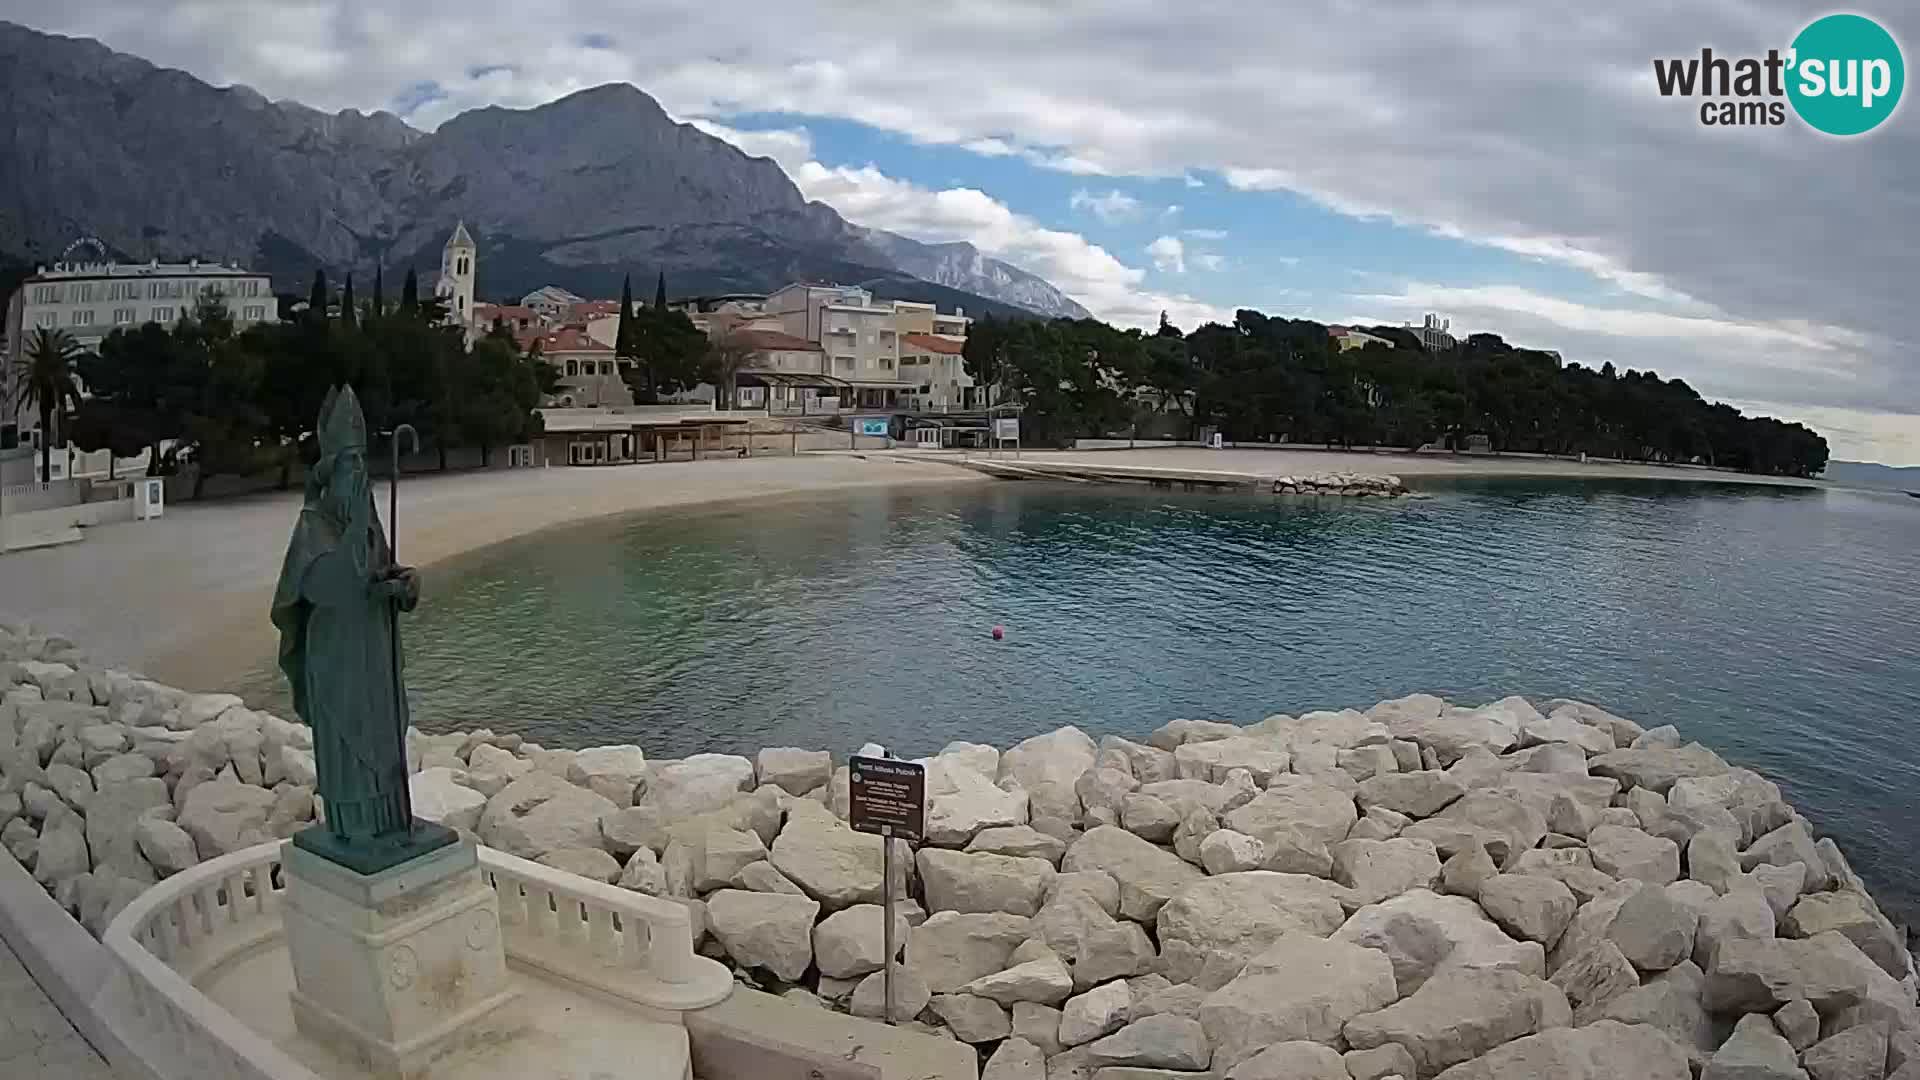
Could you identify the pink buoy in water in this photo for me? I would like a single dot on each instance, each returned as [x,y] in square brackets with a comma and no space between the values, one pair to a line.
[999,632]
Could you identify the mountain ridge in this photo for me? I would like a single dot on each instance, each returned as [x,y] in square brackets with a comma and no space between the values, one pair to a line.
[575,192]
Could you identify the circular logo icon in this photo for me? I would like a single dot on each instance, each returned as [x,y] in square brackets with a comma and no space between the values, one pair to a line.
[1847,74]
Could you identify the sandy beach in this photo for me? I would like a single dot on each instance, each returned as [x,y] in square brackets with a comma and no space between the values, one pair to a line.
[184,599]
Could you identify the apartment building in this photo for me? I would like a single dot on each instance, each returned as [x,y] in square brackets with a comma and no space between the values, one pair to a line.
[91,300]
[857,335]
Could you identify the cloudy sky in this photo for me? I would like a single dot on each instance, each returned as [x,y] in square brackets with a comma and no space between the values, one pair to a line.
[1506,163]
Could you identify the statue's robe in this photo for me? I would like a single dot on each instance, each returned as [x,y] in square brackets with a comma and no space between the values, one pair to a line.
[339,647]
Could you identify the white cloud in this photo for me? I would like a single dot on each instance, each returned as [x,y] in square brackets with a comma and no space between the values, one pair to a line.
[1112,207]
[790,147]
[1210,261]
[1193,181]
[1204,234]
[1168,254]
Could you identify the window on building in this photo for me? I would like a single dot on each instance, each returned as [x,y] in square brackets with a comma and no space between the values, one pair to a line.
[161,315]
[83,318]
[886,363]
[46,294]
[47,319]
[573,369]
[122,316]
[254,312]
[83,293]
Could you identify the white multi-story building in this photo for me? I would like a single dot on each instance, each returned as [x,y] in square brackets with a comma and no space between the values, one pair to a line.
[1435,333]
[858,335]
[91,300]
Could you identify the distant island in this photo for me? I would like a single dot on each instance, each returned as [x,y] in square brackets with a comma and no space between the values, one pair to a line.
[1872,474]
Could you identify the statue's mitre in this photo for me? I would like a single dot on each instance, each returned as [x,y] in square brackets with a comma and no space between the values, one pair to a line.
[342,425]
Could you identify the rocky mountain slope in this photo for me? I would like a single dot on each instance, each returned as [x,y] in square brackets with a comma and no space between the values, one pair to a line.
[577,192]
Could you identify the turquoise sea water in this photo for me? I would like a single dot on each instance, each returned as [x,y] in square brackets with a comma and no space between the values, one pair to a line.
[1778,626]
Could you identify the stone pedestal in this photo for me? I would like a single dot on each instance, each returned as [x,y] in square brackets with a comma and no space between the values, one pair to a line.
[397,969]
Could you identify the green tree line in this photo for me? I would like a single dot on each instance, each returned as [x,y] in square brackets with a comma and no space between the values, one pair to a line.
[1286,380]
[243,402]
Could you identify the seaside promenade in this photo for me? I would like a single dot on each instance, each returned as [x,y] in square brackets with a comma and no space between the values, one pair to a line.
[35,1039]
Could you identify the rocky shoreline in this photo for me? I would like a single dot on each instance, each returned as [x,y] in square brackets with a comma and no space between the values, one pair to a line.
[1416,890]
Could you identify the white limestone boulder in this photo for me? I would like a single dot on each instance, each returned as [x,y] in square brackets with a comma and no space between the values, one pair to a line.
[1499,823]
[1148,876]
[539,813]
[489,769]
[951,949]
[1227,852]
[772,931]
[834,864]
[1425,934]
[612,772]
[1607,1050]
[1653,930]
[1263,758]
[1048,766]
[439,797]
[1630,853]
[957,881]
[1023,841]
[974,1019]
[1299,987]
[1657,769]
[961,801]
[792,769]
[1377,869]
[111,818]
[1761,975]
[1313,808]
[590,863]
[1221,922]
[852,942]
[1528,908]
[1415,794]
[1045,980]
[165,845]
[225,815]
[696,785]
[1098,1012]
[1142,1048]
[1461,1014]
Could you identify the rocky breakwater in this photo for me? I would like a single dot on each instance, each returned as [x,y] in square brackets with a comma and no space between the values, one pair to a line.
[1339,483]
[1518,890]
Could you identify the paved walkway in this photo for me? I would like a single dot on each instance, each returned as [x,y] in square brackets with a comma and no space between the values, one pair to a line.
[35,1040]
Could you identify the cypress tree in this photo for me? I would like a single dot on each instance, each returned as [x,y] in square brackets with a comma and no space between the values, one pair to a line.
[660,292]
[379,292]
[410,291]
[349,317]
[317,296]
[623,331]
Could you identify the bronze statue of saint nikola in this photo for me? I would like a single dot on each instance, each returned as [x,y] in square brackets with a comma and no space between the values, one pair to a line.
[337,609]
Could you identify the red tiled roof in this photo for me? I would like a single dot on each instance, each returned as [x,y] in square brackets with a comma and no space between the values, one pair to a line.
[1336,331]
[589,308]
[565,339]
[772,340]
[931,343]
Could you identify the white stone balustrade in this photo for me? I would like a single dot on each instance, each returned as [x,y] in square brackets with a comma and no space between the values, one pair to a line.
[634,946]
[172,932]
[637,948]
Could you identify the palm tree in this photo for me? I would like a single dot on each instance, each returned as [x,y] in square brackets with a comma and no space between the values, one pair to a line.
[44,379]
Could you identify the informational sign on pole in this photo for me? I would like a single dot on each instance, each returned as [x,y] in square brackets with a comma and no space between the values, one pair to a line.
[874,426]
[1006,429]
[889,799]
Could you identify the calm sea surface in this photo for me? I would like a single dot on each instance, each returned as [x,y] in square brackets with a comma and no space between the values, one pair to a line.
[1781,627]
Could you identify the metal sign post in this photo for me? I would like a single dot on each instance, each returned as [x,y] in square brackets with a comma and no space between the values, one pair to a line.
[888,798]
[886,909]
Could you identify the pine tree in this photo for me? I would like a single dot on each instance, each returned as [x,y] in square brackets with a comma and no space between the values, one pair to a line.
[623,331]
[379,292]
[660,292]
[349,317]
[317,296]
[410,291]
